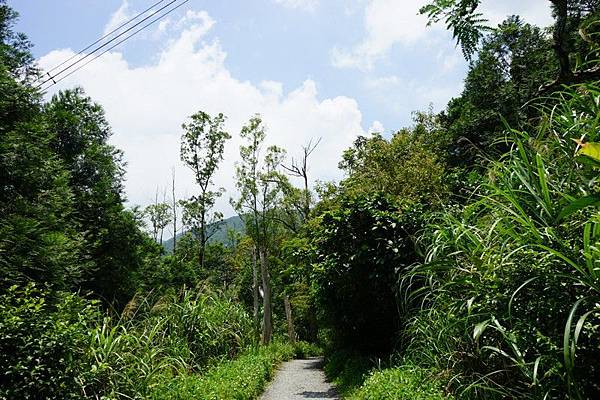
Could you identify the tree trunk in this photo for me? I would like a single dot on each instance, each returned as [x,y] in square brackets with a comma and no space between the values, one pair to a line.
[255,296]
[267,312]
[313,327]
[290,321]
[174,212]
[202,241]
[560,39]
[202,256]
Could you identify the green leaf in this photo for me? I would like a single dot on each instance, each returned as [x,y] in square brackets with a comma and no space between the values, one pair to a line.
[589,149]
[578,204]
[588,161]
[479,329]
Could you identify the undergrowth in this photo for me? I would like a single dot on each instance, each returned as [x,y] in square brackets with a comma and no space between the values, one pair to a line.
[360,377]
[242,379]
[400,383]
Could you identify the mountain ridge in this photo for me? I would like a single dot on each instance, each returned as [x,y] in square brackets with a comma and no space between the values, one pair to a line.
[220,235]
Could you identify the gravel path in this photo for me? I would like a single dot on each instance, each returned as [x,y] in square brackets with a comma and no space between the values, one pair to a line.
[300,379]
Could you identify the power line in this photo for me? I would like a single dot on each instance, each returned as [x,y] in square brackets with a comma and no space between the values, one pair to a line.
[52,77]
[116,44]
[105,36]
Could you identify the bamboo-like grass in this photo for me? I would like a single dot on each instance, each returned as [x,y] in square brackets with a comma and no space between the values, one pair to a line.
[507,301]
[157,341]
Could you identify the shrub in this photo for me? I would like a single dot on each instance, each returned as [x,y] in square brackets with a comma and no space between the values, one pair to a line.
[401,383]
[360,247]
[511,283]
[169,338]
[347,369]
[241,379]
[44,344]
[304,349]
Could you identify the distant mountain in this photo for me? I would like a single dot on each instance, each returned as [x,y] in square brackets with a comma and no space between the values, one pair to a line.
[220,236]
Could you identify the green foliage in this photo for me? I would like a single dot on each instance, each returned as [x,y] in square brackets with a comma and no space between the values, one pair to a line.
[304,349]
[347,370]
[513,62]
[260,196]
[404,166]
[511,280]
[360,246]
[44,344]
[297,277]
[243,378]
[467,26]
[15,57]
[256,180]
[202,146]
[159,215]
[168,337]
[57,346]
[62,220]
[483,279]
[401,383]
[38,239]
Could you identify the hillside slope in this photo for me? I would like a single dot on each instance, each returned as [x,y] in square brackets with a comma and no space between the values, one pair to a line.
[220,236]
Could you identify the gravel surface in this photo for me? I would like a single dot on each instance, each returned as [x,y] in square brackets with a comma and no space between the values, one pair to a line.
[300,379]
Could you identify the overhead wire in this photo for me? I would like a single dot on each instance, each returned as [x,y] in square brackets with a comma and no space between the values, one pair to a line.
[98,48]
[55,81]
[104,37]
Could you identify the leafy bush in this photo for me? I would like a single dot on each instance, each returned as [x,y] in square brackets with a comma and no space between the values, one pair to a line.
[158,341]
[240,379]
[401,383]
[360,246]
[347,369]
[44,344]
[304,349]
[56,345]
[510,286]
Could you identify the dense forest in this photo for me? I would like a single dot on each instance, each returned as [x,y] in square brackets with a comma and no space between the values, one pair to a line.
[458,258]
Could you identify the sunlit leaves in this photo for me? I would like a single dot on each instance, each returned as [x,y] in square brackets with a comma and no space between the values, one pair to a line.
[467,26]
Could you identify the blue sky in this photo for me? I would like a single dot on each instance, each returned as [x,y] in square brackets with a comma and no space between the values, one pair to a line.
[313,68]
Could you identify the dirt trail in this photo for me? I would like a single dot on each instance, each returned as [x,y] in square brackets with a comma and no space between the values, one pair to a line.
[300,379]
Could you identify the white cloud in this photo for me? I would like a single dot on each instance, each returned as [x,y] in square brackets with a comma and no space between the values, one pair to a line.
[376,127]
[388,23]
[146,106]
[119,17]
[201,17]
[382,82]
[164,25]
[308,5]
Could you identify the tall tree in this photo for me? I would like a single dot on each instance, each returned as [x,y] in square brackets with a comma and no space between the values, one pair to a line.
[202,146]
[15,54]
[257,182]
[513,62]
[159,215]
[174,205]
[468,27]
[114,242]
[299,169]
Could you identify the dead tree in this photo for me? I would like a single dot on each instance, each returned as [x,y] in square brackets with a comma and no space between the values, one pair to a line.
[299,169]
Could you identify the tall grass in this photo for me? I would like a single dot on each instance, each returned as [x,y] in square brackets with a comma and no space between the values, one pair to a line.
[59,345]
[176,334]
[508,298]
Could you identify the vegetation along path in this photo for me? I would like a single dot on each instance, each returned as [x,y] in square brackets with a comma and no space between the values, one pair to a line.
[300,379]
